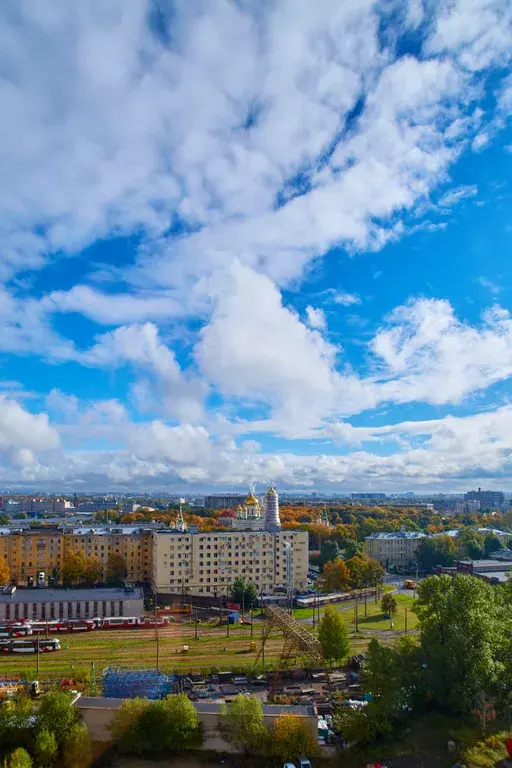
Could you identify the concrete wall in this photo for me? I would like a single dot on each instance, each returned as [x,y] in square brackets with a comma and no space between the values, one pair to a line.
[98,714]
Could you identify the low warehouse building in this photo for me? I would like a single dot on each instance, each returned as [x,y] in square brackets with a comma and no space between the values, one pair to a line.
[97,714]
[46,604]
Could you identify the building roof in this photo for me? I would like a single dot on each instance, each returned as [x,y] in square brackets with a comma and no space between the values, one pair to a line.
[37,595]
[397,535]
[90,702]
[496,531]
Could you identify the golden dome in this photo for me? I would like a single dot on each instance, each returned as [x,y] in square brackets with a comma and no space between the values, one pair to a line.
[251,500]
[272,490]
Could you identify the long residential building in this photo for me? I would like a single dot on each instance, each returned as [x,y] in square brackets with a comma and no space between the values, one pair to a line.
[207,562]
[396,548]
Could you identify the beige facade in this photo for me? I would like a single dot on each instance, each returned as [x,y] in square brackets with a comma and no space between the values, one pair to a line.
[396,549]
[205,563]
[28,552]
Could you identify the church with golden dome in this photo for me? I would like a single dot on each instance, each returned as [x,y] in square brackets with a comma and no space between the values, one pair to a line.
[252,515]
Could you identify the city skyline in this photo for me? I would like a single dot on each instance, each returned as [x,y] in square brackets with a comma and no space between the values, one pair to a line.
[243,243]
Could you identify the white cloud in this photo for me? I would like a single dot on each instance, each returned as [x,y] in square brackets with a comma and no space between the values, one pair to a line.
[117,131]
[455,196]
[345,299]
[256,348]
[480,141]
[140,346]
[490,285]
[429,355]
[315,318]
[111,309]
[477,31]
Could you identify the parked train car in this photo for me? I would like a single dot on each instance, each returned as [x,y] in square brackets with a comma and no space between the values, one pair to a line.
[29,646]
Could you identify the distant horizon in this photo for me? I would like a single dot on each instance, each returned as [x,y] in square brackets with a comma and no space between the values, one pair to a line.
[239,492]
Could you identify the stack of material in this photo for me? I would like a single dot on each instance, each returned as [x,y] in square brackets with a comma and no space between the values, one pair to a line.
[124,683]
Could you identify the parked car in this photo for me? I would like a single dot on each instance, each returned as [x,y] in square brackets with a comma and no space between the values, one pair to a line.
[303,762]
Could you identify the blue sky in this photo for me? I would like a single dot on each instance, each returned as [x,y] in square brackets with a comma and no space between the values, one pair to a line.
[244,242]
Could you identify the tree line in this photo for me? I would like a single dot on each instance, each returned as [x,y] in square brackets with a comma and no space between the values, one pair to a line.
[154,728]
[460,663]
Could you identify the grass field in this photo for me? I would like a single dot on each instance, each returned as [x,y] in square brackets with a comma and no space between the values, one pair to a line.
[375,619]
[213,651]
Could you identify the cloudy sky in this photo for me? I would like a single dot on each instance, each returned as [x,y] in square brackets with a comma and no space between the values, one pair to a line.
[244,240]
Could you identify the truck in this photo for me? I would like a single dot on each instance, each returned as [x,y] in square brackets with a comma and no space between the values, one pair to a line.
[409,584]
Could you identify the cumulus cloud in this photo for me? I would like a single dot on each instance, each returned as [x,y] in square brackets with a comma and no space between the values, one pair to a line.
[256,348]
[316,318]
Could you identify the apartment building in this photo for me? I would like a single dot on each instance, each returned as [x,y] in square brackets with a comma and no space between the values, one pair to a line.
[206,563]
[396,549]
[30,551]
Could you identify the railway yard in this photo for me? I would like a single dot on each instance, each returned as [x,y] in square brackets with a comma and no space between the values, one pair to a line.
[188,647]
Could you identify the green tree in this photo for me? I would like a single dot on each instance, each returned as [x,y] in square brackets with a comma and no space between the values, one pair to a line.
[242,723]
[172,723]
[116,570]
[183,724]
[491,544]
[16,723]
[20,758]
[463,629]
[388,604]
[291,738]
[57,715]
[470,544]
[45,748]
[333,636]
[244,592]
[431,552]
[328,553]
[392,677]
[125,725]
[351,548]
[76,749]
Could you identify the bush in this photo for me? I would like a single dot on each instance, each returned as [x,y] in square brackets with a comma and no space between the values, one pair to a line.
[20,758]
[152,727]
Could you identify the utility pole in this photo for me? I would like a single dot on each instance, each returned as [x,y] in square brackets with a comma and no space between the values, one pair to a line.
[314,610]
[157,650]
[37,658]
[405,619]
[93,679]
[243,606]
[357,616]
[366,602]
[250,613]
[195,623]
[262,649]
